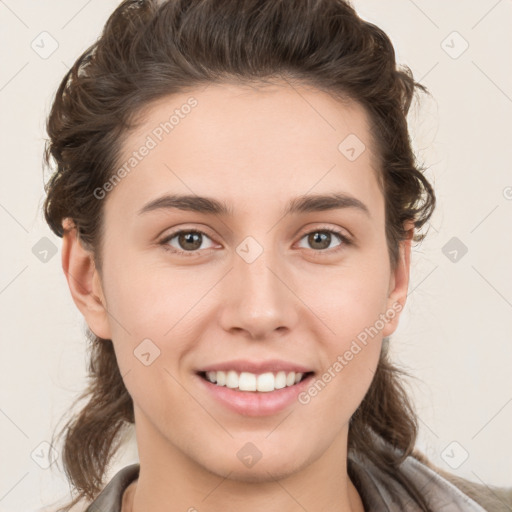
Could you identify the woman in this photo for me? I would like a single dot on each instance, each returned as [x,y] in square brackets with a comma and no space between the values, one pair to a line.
[237,197]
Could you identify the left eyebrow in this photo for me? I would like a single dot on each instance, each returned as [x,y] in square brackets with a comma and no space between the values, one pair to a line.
[324,202]
[300,204]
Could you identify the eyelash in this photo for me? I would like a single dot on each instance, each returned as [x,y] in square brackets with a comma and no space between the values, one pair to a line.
[344,239]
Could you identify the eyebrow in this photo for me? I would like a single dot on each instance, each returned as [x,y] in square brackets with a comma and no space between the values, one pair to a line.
[301,204]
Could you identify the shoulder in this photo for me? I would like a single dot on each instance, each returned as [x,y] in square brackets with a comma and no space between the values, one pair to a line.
[110,498]
[389,489]
[491,498]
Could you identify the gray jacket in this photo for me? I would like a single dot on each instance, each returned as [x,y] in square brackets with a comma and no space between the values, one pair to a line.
[443,491]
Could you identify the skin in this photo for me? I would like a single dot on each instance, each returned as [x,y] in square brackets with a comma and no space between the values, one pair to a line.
[294,302]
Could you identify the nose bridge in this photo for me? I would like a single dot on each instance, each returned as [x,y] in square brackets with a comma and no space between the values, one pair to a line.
[254,269]
[260,301]
[257,271]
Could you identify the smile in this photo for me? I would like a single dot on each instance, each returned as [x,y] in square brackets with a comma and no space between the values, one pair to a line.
[239,393]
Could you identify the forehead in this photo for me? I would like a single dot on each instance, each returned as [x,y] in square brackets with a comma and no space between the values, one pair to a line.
[244,144]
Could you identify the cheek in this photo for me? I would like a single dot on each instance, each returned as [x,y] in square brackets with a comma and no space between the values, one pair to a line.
[147,300]
[336,393]
[351,309]
[350,300]
[154,314]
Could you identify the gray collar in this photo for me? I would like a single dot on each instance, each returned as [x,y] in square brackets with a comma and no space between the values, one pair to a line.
[376,488]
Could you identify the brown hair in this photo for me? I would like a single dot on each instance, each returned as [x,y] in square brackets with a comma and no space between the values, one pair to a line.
[150,49]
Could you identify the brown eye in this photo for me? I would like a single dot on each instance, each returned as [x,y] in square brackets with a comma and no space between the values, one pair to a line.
[321,240]
[188,242]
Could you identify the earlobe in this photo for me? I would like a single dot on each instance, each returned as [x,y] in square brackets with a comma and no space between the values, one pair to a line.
[84,281]
[399,283]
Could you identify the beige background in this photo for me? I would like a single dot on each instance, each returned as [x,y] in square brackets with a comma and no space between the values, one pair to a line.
[455,336]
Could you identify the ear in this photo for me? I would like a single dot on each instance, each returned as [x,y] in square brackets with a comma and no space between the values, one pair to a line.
[399,282]
[84,281]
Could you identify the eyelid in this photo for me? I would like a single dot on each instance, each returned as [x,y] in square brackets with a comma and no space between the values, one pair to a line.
[342,233]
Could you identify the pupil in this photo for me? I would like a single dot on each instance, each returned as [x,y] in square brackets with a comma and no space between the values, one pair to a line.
[189,238]
[317,237]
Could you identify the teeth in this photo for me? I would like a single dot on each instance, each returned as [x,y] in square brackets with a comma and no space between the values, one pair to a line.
[246,381]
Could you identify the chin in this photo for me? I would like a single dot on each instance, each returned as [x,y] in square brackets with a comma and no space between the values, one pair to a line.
[261,471]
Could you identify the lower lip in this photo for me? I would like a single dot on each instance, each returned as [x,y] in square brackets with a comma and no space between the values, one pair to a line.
[256,403]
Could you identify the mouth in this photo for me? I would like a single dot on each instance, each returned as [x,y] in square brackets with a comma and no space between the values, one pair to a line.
[254,387]
[251,394]
[255,383]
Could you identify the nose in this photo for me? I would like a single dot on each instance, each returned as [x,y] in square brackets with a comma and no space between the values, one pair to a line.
[259,297]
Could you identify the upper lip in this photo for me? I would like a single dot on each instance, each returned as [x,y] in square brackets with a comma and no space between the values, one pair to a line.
[257,367]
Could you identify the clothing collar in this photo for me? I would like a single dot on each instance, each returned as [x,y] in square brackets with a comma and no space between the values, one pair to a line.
[379,491]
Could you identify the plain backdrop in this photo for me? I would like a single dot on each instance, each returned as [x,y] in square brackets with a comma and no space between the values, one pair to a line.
[455,335]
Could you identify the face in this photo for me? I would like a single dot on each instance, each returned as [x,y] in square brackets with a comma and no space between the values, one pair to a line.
[258,288]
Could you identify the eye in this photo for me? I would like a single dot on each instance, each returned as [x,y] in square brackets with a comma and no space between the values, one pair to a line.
[321,239]
[189,242]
